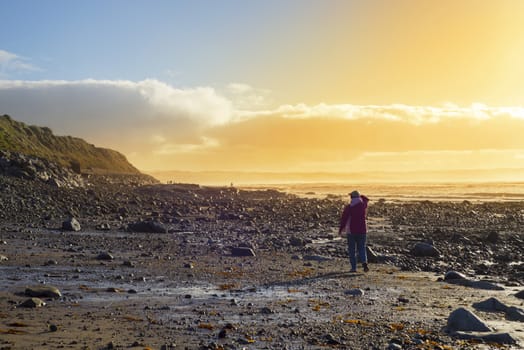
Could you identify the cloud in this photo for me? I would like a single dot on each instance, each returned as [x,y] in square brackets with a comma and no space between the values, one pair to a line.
[160,126]
[204,145]
[416,115]
[10,62]
[247,98]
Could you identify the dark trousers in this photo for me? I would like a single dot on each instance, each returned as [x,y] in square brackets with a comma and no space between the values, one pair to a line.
[357,244]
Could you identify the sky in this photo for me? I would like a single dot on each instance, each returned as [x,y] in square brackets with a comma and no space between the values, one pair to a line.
[273,85]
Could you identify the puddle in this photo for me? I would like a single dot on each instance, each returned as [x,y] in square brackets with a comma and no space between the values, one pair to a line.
[92,285]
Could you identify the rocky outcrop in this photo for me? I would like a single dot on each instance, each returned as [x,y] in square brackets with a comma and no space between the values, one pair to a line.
[33,168]
[66,151]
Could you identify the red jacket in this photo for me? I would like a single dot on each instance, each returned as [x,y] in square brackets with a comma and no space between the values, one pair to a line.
[356,215]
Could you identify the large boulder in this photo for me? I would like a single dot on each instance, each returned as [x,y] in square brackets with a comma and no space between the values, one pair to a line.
[491,305]
[515,314]
[32,303]
[520,294]
[454,275]
[425,250]
[465,320]
[43,292]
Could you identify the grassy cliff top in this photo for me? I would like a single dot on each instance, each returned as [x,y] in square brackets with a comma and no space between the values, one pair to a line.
[67,151]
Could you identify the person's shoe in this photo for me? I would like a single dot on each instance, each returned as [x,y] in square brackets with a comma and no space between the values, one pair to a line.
[352,270]
[366,268]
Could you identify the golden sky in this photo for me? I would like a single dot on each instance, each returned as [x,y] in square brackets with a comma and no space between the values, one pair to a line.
[280,86]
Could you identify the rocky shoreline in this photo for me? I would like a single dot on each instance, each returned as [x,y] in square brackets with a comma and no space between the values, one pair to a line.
[156,266]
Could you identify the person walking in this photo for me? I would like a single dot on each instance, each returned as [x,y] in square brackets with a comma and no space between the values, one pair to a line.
[353,224]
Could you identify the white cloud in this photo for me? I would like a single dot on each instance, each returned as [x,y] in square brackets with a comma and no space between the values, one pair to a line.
[247,98]
[10,62]
[106,100]
[175,148]
[417,115]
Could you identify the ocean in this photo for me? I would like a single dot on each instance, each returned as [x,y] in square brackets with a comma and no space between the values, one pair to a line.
[474,192]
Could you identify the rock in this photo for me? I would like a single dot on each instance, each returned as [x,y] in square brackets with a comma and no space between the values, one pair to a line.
[490,305]
[424,250]
[3,258]
[494,338]
[372,256]
[128,263]
[266,311]
[454,275]
[103,227]
[394,346]
[150,226]
[331,340]
[515,314]
[296,242]
[465,320]
[53,328]
[520,294]
[43,292]
[71,224]
[104,256]
[242,251]
[477,284]
[222,334]
[32,303]
[493,237]
[357,292]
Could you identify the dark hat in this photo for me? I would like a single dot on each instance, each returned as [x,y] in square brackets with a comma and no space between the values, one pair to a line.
[354,194]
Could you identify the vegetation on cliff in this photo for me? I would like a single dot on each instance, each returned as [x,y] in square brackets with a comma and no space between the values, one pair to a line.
[67,151]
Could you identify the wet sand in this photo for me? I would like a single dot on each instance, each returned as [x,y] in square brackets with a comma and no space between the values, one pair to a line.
[176,299]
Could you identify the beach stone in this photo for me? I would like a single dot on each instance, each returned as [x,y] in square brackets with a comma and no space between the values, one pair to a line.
[491,305]
[493,237]
[496,338]
[32,303]
[424,250]
[103,227]
[104,256]
[266,310]
[354,292]
[394,346]
[43,292]
[149,226]
[296,242]
[465,320]
[331,340]
[520,294]
[515,314]
[454,275]
[484,285]
[242,251]
[371,255]
[71,224]
[3,258]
